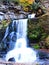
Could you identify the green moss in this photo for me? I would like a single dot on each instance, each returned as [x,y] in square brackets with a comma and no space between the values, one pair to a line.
[36,46]
[4,23]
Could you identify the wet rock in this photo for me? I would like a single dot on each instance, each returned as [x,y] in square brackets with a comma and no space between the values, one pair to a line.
[2,31]
[10,37]
[21,16]
[39,12]
[18,7]
[42,44]
[43,55]
[11,59]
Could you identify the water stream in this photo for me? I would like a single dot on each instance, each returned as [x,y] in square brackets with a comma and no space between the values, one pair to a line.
[21,53]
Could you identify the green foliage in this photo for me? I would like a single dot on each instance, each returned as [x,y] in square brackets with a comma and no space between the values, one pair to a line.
[35,6]
[36,46]
[43,36]
[37,33]
[5,23]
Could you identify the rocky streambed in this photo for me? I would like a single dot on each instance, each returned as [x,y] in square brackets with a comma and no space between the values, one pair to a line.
[42,54]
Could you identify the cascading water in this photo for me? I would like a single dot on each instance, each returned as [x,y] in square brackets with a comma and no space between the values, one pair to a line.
[21,53]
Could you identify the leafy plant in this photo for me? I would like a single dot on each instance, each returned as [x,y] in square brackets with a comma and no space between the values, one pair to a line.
[5,23]
[36,46]
[35,6]
[36,34]
[43,35]
[26,4]
[27,1]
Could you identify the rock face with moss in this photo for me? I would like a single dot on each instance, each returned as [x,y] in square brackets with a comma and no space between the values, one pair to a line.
[3,26]
[38,30]
[9,37]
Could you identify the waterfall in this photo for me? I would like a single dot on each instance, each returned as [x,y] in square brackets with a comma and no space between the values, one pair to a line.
[21,53]
[10,36]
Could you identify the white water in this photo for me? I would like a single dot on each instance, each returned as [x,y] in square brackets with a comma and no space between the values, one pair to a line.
[21,52]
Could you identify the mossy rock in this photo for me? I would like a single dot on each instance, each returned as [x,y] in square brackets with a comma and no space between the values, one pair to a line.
[41,27]
[36,46]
